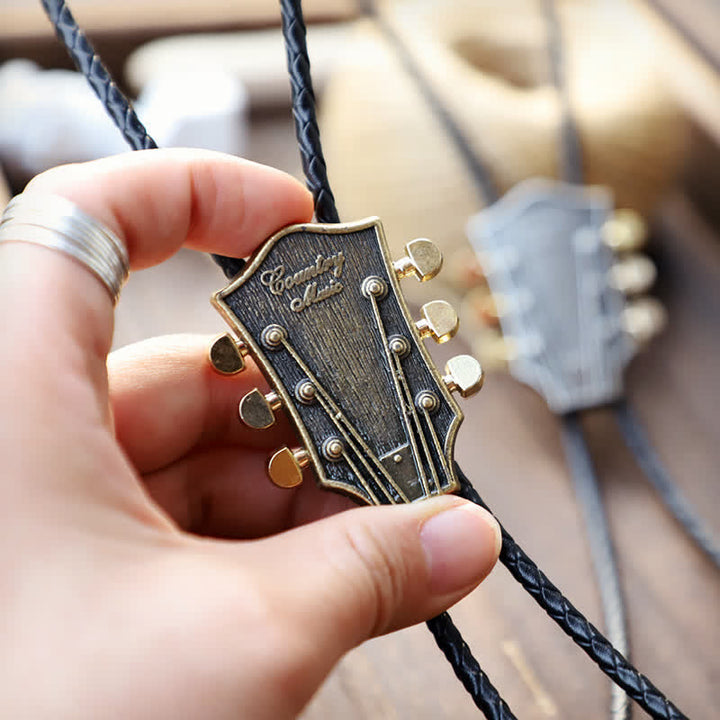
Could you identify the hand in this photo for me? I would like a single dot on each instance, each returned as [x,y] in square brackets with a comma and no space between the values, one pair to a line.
[116,603]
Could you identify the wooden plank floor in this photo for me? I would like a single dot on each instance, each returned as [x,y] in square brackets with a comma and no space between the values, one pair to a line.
[510,445]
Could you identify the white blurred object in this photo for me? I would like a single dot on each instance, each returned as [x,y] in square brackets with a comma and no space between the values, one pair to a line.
[51,117]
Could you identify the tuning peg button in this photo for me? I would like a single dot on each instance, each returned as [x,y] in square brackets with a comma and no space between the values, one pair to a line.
[625,231]
[257,410]
[226,354]
[423,259]
[633,275]
[643,319]
[439,321]
[285,466]
[463,375]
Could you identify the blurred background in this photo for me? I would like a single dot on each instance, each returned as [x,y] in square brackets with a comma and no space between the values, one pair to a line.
[644,83]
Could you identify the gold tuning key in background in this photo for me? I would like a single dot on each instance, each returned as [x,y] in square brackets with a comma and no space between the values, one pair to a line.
[633,274]
[285,466]
[226,354]
[463,374]
[643,319]
[465,270]
[625,231]
[257,410]
[495,351]
[423,259]
[439,321]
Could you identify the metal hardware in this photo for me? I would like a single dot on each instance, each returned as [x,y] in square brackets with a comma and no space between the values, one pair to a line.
[257,410]
[439,321]
[643,319]
[463,374]
[423,259]
[625,231]
[285,466]
[226,354]
[633,274]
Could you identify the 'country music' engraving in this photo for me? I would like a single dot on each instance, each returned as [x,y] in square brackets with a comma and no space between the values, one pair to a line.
[278,281]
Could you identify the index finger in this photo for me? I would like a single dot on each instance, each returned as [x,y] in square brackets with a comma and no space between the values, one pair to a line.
[158,200]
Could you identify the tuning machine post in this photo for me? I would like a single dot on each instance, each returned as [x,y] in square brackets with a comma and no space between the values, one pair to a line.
[439,321]
[286,465]
[257,410]
[226,354]
[422,259]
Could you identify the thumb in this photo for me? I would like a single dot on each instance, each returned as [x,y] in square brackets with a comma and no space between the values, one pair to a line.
[364,572]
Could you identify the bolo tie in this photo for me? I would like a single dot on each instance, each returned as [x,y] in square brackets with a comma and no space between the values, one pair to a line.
[418,468]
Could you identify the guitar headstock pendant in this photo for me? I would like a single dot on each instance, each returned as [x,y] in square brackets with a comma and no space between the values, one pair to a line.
[320,310]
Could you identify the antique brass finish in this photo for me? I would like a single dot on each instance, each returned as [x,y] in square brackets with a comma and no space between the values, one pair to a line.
[226,354]
[464,375]
[256,409]
[633,275]
[423,259]
[643,319]
[626,231]
[440,321]
[285,466]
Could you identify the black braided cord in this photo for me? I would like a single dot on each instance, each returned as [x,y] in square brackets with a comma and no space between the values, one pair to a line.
[467,669]
[637,441]
[303,104]
[118,106]
[602,551]
[573,622]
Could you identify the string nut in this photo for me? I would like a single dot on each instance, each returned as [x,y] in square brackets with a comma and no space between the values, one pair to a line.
[257,410]
[285,466]
[226,354]
[439,321]
[463,374]
[423,259]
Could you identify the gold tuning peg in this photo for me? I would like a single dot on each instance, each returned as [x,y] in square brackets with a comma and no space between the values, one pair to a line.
[439,321]
[625,231]
[423,259]
[643,319]
[483,307]
[285,466]
[226,354]
[257,410]
[466,271]
[495,351]
[633,274]
[464,375]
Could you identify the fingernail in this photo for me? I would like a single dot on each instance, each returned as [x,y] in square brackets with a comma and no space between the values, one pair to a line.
[461,546]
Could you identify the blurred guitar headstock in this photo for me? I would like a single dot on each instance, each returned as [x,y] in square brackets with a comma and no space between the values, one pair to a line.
[560,296]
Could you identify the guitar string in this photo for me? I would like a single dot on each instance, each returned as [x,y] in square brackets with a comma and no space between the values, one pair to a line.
[512,556]
[584,634]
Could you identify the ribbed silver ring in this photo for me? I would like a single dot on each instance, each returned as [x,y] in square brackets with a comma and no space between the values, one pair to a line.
[55,222]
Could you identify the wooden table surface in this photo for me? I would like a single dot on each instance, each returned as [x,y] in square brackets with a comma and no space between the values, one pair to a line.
[510,445]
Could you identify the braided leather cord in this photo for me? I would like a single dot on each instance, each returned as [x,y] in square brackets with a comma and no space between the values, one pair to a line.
[303,104]
[467,670]
[602,552]
[118,106]
[656,472]
[573,622]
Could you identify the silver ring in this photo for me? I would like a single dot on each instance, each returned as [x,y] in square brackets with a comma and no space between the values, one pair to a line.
[55,222]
